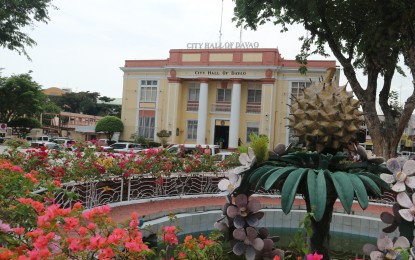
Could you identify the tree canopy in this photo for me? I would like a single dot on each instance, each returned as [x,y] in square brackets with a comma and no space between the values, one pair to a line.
[362,34]
[16,15]
[86,103]
[23,125]
[20,96]
[109,125]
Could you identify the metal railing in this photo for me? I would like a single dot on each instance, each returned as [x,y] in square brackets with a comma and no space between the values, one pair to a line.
[97,193]
[192,106]
[253,108]
[221,107]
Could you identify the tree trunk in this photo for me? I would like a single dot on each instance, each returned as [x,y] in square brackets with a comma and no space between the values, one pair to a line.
[320,240]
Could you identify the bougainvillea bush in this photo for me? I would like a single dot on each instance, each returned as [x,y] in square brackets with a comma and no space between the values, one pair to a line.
[33,226]
[87,164]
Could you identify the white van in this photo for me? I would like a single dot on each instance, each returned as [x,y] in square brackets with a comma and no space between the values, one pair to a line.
[64,143]
[406,154]
[190,148]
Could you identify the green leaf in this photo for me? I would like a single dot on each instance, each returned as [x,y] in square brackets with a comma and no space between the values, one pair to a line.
[358,165]
[276,176]
[381,183]
[370,184]
[289,190]
[291,158]
[257,173]
[344,189]
[264,177]
[317,192]
[360,191]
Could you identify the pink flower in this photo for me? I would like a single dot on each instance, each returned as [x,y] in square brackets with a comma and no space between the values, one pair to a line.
[71,223]
[17,169]
[74,245]
[18,231]
[5,228]
[107,253]
[314,256]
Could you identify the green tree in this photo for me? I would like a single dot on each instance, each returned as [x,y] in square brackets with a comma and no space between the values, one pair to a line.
[23,125]
[109,125]
[86,103]
[16,15]
[362,34]
[20,96]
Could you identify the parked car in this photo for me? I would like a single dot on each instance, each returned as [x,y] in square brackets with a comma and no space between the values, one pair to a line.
[48,145]
[190,148]
[124,147]
[64,143]
[42,138]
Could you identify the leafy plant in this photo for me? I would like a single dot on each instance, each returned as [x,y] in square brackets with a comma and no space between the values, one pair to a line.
[16,142]
[163,133]
[299,245]
[321,179]
[109,125]
[259,143]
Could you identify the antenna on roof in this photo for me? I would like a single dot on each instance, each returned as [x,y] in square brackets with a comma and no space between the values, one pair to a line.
[220,29]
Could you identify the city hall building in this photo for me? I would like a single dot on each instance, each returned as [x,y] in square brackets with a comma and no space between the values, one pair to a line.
[212,96]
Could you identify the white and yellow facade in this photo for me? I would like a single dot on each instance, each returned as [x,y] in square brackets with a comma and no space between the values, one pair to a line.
[208,96]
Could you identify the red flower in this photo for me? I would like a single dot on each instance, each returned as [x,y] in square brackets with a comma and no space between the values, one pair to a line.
[314,256]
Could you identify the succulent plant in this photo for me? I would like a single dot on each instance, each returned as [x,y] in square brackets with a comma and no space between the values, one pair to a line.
[387,248]
[245,212]
[402,170]
[248,242]
[326,116]
[392,219]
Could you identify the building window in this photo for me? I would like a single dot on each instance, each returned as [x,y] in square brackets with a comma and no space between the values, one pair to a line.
[297,86]
[224,95]
[146,127]
[192,129]
[148,91]
[251,127]
[253,105]
[193,98]
[254,93]
[194,89]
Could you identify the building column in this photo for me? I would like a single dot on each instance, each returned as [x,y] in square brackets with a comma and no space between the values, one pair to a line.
[235,114]
[267,110]
[202,112]
[173,100]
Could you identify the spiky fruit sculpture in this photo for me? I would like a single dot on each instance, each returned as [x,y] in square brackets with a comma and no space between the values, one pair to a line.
[326,116]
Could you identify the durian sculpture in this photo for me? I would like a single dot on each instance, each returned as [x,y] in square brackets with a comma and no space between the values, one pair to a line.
[326,116]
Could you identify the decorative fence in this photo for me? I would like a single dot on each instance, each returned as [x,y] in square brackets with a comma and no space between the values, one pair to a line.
[97,193]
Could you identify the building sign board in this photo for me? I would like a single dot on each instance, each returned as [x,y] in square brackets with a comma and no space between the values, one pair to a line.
[222,45]
[219,73]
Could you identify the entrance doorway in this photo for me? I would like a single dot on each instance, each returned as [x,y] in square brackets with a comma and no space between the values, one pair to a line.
[221,136]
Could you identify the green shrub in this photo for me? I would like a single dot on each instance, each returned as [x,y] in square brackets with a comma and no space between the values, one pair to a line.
[16,142]
[260,146]
[243,148]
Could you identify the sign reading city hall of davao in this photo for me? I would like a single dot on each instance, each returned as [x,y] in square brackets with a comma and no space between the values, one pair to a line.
[219,73]
[222,45]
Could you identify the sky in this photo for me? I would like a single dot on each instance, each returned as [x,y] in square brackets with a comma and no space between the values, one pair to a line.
[87,41]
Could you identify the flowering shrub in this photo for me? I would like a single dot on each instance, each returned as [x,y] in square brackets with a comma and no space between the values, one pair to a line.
[192,248]
[90,165]
[33,226]
[72,233]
